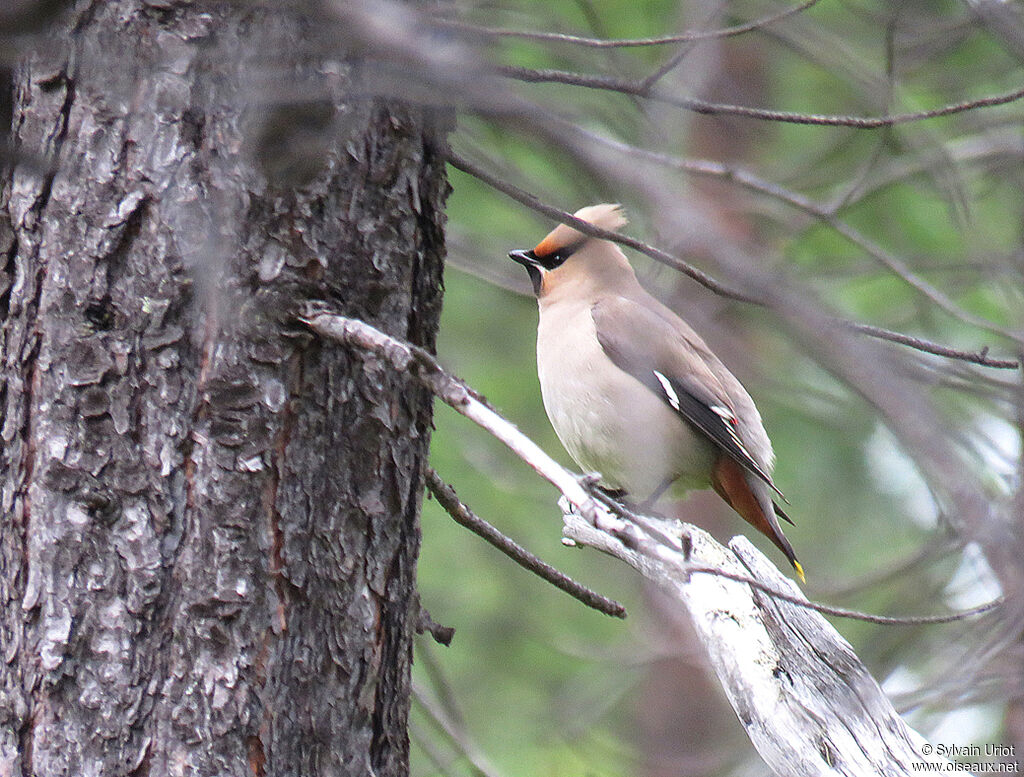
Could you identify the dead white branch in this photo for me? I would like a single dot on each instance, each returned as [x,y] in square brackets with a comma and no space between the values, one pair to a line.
[807,702]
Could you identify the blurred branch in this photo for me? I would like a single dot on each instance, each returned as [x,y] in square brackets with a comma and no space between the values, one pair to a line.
[807,702]
[1004,20]
[465,75]
[478,762]
[603,43]
[422,740]
[442,687]
[638,89]
[982,149]
[462,76]
[648,82]
[462,515]
[935,548]
[710,283]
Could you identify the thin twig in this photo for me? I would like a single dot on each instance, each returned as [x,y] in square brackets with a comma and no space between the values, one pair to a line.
[962,150]
[426,625]
[975,357]
[459,738]
[446,695]
[647,540]
[638,89]
[420,738]
[597,28]
[447,498]
[648,82]
[603,43]
[842,612]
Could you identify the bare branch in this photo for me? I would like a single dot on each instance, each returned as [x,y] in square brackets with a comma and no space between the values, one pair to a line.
[602,43]
[665,531]
[843,612]
[648,82]
[638,89]
[807,702]
[489,98]
[980,357]
[447,498]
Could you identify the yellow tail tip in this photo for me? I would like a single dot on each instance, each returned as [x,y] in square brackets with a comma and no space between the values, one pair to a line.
[799,571]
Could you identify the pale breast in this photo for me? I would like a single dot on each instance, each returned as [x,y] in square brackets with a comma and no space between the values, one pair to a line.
[607,420]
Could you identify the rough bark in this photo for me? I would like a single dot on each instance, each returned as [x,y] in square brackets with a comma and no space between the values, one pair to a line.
[210,519]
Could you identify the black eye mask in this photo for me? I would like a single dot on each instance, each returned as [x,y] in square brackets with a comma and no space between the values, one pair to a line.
[556,259]
[535,264]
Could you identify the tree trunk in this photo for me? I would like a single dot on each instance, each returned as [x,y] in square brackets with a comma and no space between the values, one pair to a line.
[210,518]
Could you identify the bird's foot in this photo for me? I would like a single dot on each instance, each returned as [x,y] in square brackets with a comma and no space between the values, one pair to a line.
[592,482]
[589,480]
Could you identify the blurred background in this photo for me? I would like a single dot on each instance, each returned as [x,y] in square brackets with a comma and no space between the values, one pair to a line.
[903,467]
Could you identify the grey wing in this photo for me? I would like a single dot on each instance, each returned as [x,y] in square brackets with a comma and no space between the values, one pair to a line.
[652,350]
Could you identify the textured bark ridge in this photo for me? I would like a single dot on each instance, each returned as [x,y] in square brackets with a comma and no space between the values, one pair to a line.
[210,519]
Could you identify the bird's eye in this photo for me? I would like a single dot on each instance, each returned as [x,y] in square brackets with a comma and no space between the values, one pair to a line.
[557,258]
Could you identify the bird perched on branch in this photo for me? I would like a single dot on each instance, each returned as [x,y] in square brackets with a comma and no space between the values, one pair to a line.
[633,392]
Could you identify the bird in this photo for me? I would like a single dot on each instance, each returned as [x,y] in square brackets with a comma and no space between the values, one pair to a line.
[633,392]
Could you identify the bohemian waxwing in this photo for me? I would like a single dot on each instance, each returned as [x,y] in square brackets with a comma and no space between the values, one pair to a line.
[633,392]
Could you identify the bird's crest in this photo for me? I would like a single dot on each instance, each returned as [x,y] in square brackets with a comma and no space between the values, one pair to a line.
[605,216]
[608,215]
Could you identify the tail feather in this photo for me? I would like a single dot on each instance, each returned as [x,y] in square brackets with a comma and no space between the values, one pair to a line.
[782,514]
[752,500]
